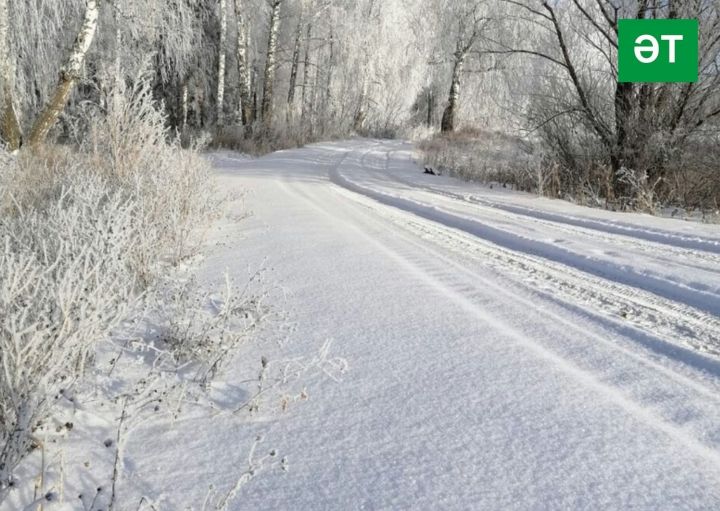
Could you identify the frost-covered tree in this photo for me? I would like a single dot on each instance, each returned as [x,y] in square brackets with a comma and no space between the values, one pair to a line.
[9,126]
[243,65]
[466,21]
[222,50]
[28,87]
[633,126]
[316,68]
[270,56]
[69,75]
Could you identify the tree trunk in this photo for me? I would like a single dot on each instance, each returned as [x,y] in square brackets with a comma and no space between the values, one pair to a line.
[306,75]
[243,66]
[221,65]
[450,113]
[199,100]
[254,88]
[184,106]
[430,108]
[269,78]
[69,75]
[10,131]
[623,106]
[359,119]
[316,99]
[9,125]
[328,83]
[295,65]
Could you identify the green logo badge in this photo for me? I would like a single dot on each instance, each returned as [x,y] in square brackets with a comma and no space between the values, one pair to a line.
[658,51]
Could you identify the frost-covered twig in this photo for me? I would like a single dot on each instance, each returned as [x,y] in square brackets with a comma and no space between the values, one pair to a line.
[255,466]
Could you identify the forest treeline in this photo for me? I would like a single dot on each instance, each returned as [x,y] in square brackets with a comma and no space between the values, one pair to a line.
[260,74]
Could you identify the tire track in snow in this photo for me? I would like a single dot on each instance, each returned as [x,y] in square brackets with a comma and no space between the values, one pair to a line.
[674,324]
[663,330]
[653,235]
[700,260]
[669,402]
[625,316]
[697,299]
[705,261]
[623,308]
[659,236]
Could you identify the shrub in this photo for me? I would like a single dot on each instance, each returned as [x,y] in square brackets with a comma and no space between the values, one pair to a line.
[688,180]
[83,232]
[130,144]
[64,281]
[481,156]
[199,328]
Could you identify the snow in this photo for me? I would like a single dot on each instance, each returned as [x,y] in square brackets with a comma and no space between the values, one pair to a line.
[485,373]
[505,351]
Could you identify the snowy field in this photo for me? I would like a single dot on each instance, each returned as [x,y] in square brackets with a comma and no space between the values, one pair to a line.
[506,352]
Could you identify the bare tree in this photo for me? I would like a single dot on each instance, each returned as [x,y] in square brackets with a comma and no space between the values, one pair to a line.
[310,13]
[641,117]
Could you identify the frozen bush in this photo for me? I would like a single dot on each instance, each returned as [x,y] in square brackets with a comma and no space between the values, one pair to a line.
[129,142]
[203,329]
[83,233]
[481,156]
[642,192]
[64,281]
[28,180]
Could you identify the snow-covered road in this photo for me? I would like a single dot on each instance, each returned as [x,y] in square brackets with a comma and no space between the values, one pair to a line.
[506,352]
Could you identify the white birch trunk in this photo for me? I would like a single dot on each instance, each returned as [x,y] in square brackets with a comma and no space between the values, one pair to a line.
[360,114]
[246,103]
[185,94]
[450,113]
[294,69]
[269,79]
[4,46]
[430,106]
[221,64]
[69,75]
[328,84]
[10,132]
[306,75]
[317,97]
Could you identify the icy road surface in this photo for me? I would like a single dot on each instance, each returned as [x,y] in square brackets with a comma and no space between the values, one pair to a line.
[506,352]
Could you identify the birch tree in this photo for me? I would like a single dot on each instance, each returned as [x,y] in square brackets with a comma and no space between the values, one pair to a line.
[9,125]
[270,63]
[69,75]
[310,12]
[470,21]
[295,62]
[369,13]
[222,50]
[243,67]
[305,88]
